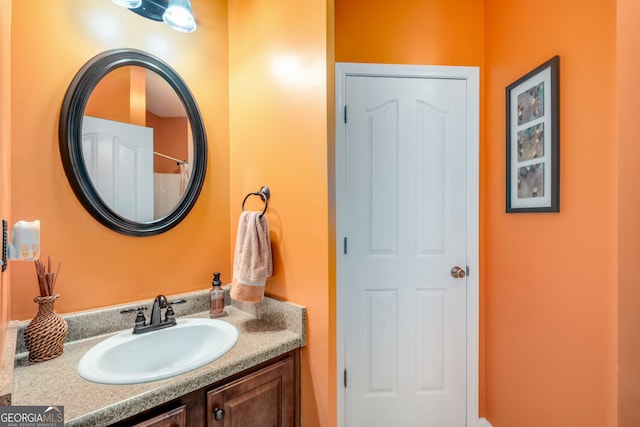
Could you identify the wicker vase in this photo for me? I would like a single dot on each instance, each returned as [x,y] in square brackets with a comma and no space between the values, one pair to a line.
[45,334]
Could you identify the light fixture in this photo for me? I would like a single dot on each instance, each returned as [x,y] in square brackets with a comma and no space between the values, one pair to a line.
[25,242]
[179,16]
[175,13]
[131,4]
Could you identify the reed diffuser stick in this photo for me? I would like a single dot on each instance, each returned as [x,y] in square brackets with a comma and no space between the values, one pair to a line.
[46,277]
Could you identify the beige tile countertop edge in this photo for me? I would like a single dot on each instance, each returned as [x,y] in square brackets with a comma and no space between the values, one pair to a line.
[8,357]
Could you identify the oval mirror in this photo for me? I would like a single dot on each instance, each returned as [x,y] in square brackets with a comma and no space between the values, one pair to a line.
[132,142]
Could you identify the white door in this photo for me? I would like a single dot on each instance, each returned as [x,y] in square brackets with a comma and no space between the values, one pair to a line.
[405,229]
[119,160]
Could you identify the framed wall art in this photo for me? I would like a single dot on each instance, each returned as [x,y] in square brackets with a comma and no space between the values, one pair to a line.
[533,164]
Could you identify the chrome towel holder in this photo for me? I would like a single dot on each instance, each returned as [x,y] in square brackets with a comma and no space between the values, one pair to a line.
[264,193]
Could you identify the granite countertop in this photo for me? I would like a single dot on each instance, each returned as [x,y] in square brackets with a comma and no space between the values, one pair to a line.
[267,330]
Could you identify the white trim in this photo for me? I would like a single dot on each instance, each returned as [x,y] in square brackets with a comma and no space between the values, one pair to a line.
[472,76]
[482,422]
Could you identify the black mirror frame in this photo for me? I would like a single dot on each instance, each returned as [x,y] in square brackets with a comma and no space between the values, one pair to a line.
[70,140]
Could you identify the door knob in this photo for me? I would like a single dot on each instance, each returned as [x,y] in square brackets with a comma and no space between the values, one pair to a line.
[458,273]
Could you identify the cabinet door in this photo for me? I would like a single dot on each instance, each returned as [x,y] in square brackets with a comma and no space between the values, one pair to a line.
[174,418]
[265,398]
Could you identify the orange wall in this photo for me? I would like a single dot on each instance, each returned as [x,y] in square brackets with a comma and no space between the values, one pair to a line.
[279,113]
[170,137]
[550,279]
[112,97]
[5,151]
[629,214]
[434,32]
[548,322]
[101,267]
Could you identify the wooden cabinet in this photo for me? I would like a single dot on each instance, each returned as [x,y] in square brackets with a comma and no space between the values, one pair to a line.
[173,418]
[266,395]
[265,398]
[186,411]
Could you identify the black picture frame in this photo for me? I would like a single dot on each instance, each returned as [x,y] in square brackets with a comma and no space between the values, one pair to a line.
[533,141]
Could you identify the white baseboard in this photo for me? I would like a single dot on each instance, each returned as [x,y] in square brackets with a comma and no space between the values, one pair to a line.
[482,422]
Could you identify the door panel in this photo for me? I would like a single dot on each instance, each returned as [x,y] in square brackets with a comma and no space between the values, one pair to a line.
[405,222]
[119,160]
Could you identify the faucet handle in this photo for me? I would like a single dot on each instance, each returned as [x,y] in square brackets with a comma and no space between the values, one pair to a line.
[169,315]
[131,310]
[140,319]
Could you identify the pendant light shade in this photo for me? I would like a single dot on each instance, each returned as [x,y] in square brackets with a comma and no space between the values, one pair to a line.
[131,4]
[179,16]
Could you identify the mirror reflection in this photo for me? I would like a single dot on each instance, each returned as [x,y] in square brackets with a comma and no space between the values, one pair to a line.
[137,143]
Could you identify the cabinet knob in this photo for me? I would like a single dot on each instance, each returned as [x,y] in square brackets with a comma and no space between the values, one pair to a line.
[218,414]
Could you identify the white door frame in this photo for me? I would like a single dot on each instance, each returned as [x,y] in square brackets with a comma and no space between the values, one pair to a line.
[472,77]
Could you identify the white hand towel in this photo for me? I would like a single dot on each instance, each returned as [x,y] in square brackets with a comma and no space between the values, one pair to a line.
[252,262]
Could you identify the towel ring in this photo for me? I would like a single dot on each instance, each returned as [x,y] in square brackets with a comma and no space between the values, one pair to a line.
[264,193]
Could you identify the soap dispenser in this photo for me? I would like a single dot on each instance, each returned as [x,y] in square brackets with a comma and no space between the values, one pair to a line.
[217,298]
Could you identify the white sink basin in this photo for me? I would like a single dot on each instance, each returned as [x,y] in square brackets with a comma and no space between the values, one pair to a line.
[126,358]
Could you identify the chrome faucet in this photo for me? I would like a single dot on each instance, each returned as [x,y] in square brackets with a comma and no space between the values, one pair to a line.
[155,320]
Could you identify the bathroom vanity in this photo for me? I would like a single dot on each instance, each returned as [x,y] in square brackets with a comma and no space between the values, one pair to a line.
[255,383]
[262,396]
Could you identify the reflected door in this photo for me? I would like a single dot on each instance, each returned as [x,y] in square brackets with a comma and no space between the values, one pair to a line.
[119,160]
